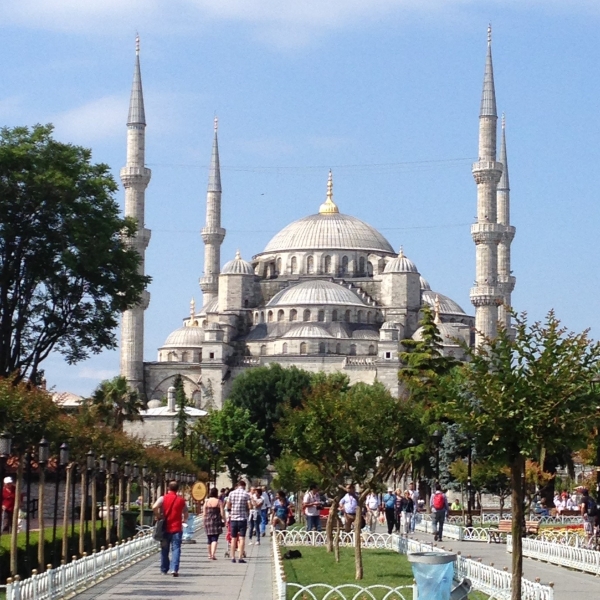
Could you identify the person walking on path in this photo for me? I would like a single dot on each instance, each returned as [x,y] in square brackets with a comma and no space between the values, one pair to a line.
[372,504]
[348,506]
[389,506]
[310,504]
[8,504]
[264,511]
[439,509]
[238,505]
[408,509]
[414,495]
[214,517]
[589,513]
[255,512]
[174,511]
[281,512]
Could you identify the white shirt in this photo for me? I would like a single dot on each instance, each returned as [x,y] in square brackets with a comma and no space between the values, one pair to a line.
[414,494]
[266,500]
[309,498]
[372,502]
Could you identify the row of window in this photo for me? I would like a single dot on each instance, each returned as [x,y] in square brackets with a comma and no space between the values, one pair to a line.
[192,357]
[307,315]
[323,349]
[363,266]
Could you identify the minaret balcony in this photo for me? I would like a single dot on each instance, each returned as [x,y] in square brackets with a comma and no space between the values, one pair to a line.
[487,171]
[487,233]
[213,235]
[486,296]
[509,234]
[131,176]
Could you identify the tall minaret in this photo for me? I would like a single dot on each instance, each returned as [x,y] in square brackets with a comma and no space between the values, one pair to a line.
[212,233]
[135,177]
[486,232]
[505,278]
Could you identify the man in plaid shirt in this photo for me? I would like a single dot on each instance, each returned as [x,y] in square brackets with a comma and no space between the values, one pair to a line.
[238,505]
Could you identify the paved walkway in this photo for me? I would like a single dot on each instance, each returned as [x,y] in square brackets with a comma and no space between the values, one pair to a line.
[198,577]
[568,584]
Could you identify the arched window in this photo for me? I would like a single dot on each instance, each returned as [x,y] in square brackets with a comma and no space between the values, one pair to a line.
[310,265]
[370,269]
[347,316]
[338,348]
[184,357]
[359,316]
[270,316]
[293,314]
[246,303]
[344,269]
[371,350]
[361,265]
[279,266]
[294,264]
[263,350]
[322,348]
[369,317]
[284,348]
[306,315]
[303,348]
[352,349]
[334,315]
[262,316]
[321,315]
[327,264]
[280,315]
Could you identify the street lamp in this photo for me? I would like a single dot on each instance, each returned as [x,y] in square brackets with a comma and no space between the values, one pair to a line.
[63,461]
[90,480]
[43,458]
[470,487]
[437,436]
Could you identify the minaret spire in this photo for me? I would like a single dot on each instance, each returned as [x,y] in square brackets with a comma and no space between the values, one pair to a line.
[505,277]
[329,207]
[212,233]
[486,232]
[135,178]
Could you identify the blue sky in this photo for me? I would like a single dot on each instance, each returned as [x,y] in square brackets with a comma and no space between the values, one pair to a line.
[385,93]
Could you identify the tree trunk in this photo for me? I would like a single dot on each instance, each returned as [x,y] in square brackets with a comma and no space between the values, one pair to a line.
[15,519]
[329,529]
[120,508]
[518,520]
[82,512]
[65,533]
[94,509]
[107,510]
[41,534]
[336,548]
[358,539]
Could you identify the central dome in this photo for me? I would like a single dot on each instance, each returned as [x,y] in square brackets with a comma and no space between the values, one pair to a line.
[316,292]
[329,231]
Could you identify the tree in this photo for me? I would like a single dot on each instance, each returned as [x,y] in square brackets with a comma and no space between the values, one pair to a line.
[116,403]
[181,425]
[519,396]
[264,392]
[66,268]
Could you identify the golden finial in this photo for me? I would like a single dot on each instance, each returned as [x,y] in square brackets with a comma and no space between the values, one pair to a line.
[328,207]
[401,253]
[436,310]
[216,123]
[192,311]
[489,34]
[137,44]
[238,256]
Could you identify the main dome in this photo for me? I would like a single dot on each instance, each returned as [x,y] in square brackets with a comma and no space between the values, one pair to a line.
[316,292]
[329,231]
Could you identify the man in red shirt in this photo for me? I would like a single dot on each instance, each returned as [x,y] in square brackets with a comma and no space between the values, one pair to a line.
[8,503]
[174,511]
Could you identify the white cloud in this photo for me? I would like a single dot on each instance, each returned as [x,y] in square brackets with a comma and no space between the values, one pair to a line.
[98,374]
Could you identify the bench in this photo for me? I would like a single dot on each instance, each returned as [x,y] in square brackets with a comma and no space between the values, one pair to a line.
[495,534]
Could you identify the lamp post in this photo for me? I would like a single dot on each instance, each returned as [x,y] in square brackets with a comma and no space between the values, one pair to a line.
[104,514]
[43,458]
[470,487]
[114,475]
[127,471]
[5,448]
[63,460]
[90,460]
[437,436]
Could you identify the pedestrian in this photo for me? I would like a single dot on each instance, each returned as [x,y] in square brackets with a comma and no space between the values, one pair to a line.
[372,504]
[281,511]
[214,518]
[589,513]
[389,506]
[8,504]
[348,506]
[398,509]
[172,508]
[408,509]
[238,505]
[255,513]
[310,504]
[414,494]
[439,508]
[264,511]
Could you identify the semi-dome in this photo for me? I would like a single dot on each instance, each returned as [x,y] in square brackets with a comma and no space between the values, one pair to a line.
[316,292]
[401,264]
[237,266]
[365,334]
[449,332]
[307,331]
[185,337]
[446,305]
[424,283]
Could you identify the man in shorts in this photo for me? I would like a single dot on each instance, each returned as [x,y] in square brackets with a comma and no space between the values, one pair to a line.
[239,505]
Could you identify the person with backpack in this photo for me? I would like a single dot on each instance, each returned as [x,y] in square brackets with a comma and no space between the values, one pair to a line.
[439,509]
[589,513]
[389,506]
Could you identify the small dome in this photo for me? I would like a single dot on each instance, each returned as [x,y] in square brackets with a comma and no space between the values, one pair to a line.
[401,264]
[424,283]
[237,266]
[449,332]
[185,337]
[316,292]
[446,305]
[307,331]
[365,334]
[155,403]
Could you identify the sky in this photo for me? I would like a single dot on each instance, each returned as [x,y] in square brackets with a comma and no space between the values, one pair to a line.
[384,93]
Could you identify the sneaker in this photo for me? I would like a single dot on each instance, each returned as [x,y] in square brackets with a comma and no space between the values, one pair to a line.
[175,574]
[233,560]
[263,534]
[241,561]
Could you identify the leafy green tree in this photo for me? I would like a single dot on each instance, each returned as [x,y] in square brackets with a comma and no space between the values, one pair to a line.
[181,424]
[264,392]
[519,395]
[66,269]
[116,403]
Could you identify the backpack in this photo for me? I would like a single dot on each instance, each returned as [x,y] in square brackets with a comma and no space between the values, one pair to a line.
[390,500]
[592,507]
[439,502]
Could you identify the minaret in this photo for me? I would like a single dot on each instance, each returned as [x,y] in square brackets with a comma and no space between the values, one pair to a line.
[505,278]
[486,232]
[212,233]
[135,178]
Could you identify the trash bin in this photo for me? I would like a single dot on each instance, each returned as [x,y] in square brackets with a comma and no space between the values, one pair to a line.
[434,573]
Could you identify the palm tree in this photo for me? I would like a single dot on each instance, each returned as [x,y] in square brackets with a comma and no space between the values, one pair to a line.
[116,403]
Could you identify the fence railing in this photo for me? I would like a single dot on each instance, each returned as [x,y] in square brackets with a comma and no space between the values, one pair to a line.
[82,573]
[487,579]
[578,558]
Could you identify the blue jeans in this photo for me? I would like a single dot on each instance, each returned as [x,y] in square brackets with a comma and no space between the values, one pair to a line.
[254,523]
[173,543]
[313,522]
[264,515]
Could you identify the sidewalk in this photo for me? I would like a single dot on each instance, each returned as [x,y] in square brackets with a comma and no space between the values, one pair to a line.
[198,577]
[568,584]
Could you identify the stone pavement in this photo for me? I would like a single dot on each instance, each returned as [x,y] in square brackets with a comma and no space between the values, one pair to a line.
[199,578]
[568,584]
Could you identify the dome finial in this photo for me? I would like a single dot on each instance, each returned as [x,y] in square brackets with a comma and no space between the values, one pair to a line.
[192,311]
[238,256]
[137,44]
[328,207]
[216,123]
[401,253]
[490,34]
[436,310]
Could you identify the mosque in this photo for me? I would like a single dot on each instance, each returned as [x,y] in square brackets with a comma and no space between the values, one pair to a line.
[327,293]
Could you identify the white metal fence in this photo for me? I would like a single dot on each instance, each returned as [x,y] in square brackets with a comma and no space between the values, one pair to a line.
[84,572]
[578,558]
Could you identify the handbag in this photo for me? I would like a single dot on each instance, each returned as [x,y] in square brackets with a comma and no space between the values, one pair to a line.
[160,534]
